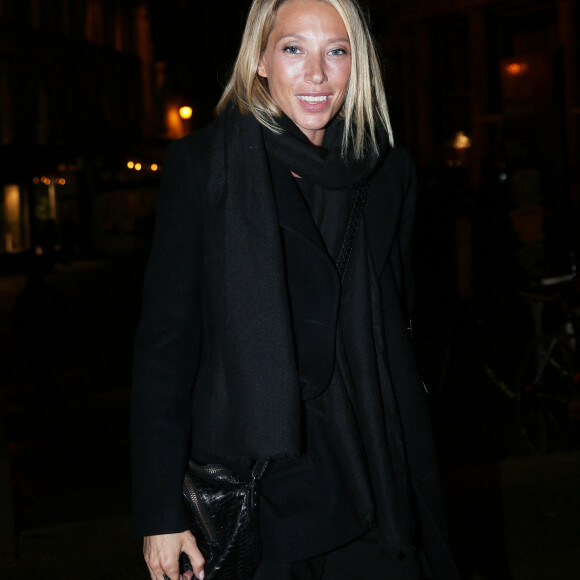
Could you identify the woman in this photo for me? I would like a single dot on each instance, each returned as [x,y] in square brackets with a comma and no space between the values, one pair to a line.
[251,347]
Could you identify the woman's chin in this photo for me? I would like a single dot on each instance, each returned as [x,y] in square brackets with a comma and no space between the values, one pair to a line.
[313,125]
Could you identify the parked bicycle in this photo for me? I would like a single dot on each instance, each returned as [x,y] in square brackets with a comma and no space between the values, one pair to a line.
[548,383]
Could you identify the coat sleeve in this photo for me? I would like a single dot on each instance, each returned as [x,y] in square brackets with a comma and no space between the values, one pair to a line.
[167,351]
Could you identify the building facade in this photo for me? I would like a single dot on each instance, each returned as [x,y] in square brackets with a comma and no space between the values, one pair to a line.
[486,94]
[503,72]
[84,120]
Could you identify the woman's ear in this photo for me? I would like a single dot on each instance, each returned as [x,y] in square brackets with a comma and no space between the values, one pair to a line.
[261,68]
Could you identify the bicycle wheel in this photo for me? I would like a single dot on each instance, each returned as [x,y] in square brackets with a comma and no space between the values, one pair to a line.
[544,390]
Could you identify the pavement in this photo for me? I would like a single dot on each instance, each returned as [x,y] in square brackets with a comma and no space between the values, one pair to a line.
[65,505]
[89,549]
[519,519]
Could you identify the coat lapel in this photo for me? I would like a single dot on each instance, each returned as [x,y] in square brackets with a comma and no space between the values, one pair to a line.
[382,211]
[294,214]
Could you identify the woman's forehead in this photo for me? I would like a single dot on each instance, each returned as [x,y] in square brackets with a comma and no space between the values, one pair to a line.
[294,14]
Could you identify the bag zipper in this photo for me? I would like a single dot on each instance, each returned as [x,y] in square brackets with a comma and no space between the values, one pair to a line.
[206,468]
[199,509]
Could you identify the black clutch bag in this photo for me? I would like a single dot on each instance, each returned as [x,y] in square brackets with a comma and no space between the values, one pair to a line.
[224,513]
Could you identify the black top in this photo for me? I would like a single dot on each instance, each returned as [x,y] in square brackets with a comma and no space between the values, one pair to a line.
[329,210]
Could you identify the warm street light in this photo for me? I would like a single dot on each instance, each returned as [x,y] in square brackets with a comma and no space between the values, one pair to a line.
[185,112]
[461,141]
[516,68]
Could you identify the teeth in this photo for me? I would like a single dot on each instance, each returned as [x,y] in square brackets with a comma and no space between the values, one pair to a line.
[313,100]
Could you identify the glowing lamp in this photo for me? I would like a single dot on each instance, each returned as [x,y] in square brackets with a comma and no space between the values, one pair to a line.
[461,141]
[516,68]
[185,112]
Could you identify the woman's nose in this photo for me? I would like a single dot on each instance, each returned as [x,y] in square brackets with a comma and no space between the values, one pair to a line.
[315,70]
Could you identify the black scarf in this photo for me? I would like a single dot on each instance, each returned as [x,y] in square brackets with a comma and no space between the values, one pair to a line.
[323,165]
[245,269]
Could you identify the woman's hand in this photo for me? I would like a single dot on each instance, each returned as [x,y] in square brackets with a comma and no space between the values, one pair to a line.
[162,555]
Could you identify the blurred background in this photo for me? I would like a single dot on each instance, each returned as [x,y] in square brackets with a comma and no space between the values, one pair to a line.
[484,93]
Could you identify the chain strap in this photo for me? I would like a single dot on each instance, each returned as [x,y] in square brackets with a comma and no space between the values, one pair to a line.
[351,230]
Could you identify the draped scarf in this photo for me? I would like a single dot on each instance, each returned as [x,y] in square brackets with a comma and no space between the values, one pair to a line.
[325,166]
[250,304]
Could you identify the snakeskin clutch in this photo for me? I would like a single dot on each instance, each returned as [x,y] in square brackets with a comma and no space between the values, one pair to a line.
[224,512]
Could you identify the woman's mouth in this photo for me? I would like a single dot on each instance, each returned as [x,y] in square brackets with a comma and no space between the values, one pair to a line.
[311,100]
[314,103]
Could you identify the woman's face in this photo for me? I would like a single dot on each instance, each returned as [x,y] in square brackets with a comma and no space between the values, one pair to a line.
[307,64]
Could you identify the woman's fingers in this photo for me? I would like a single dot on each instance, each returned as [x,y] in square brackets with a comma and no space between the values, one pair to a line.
[195,557]
[162,556]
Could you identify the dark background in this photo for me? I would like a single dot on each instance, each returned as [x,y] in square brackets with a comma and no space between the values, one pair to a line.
[89,87]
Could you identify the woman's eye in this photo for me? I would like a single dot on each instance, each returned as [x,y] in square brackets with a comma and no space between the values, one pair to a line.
[291,49]
[337,51]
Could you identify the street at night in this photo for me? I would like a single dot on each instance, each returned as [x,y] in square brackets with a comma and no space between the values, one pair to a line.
[513,513]
[485,97]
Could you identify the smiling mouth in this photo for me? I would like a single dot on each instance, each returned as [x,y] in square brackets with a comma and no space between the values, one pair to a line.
[313,100]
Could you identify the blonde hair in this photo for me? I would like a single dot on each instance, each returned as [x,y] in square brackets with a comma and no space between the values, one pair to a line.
[365,107]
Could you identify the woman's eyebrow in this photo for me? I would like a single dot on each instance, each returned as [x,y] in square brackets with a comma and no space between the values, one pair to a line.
[302,37]
[298,36]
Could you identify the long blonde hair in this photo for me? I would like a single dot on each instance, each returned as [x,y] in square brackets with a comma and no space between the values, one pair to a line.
[365,106]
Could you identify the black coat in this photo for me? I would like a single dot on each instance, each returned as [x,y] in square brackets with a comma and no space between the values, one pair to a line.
[180,373]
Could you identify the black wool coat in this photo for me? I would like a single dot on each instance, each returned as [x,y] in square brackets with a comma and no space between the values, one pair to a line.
[183,379]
